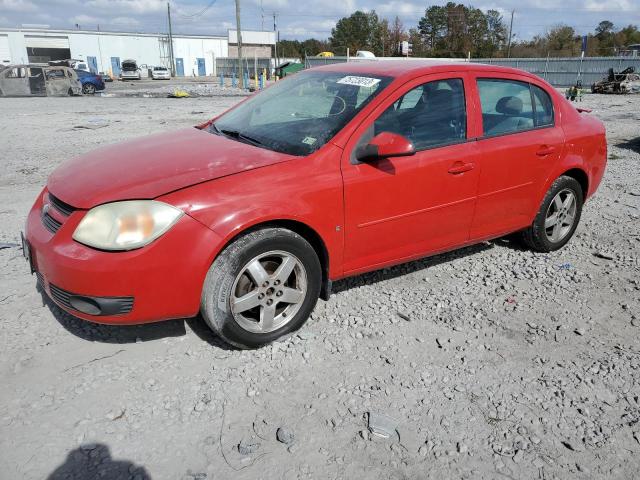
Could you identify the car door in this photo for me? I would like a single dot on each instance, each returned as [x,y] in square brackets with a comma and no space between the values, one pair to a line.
[405,207]
[57,83]
[518,145]
[15,82]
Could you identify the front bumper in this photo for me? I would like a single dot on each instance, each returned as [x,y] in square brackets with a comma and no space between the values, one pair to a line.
[160,281]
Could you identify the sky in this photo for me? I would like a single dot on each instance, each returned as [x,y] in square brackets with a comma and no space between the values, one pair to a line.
[297,19]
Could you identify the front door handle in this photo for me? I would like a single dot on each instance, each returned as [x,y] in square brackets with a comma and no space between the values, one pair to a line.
[545,150]
[460,167]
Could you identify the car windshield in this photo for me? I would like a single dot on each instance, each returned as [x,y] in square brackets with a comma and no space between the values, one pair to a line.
[302,113]
[159,69]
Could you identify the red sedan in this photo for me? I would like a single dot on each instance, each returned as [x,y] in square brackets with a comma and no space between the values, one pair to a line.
[332,172]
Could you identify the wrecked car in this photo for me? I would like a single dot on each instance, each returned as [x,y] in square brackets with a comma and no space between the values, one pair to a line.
[39,80]
[329,173]
[626,81]
[129,70]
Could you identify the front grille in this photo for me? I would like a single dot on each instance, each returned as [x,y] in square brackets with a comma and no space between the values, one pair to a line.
[62,207]
[50,223]
[116,305]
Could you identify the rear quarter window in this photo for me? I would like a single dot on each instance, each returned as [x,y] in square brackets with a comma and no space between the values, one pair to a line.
[543,106]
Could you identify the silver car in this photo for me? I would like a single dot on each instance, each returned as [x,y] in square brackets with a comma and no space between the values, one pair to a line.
[160,73]
[38,80]
[129,70]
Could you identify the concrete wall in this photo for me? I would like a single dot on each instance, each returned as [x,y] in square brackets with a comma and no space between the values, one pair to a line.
[250,51]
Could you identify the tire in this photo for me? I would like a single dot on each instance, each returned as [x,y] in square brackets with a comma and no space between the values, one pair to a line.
[279,305]
[548,233]
[70,93]
[88,89]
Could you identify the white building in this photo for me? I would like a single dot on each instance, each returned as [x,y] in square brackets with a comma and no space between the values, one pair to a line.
[104,51]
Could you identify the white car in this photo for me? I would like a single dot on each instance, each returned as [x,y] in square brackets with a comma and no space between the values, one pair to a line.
[129,70]
[365,54]
[160,73]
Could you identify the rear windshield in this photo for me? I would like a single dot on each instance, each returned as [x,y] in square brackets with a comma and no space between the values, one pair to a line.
[300,114]
[129,66]
[159,69]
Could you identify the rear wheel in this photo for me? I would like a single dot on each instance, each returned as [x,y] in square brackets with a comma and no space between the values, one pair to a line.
[261,287]
[88,89]
[558,217]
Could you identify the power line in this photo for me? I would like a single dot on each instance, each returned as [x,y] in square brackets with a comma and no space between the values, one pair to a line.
[200,13]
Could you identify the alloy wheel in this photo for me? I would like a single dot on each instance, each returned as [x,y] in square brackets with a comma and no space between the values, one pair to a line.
[268,291]
[561,215]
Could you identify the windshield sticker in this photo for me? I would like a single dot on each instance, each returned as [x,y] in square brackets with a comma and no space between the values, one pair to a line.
[359,81]
[309,140]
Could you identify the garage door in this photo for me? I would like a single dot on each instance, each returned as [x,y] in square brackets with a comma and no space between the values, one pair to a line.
[42,41]
[5,53]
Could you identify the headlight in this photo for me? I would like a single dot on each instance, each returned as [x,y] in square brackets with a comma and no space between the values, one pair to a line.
[126,225]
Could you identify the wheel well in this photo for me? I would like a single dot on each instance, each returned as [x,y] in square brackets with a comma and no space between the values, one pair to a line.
[581,177]
[311,236]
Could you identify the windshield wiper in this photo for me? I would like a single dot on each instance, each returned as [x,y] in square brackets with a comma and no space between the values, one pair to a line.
[241,136]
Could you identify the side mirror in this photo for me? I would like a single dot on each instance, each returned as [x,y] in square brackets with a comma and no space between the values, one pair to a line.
[384,145]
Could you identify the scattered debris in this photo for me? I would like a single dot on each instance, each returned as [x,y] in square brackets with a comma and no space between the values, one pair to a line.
[383,426]
[626,81]
[404,316]
[603,255]
[92,124]
[9,245]
[177,93]
[247,447]
[285,436]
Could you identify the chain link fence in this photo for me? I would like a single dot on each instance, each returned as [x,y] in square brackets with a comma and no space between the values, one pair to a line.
[563,72]
[560,72]
[228,67]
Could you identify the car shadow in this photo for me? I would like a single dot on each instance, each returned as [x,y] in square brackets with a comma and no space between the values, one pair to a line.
[371,278]
[94,461]
[122,334]
[632,144]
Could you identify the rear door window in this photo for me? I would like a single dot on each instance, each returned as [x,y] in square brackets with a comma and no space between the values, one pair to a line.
[506,106]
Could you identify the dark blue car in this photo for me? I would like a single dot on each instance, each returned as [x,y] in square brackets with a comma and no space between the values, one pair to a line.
[91,82]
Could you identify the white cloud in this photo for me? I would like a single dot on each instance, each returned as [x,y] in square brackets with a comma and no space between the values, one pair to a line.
[271,4]
[17,6]
[620,5]
[85,19]
[125,21]
[400,8]
[128,6]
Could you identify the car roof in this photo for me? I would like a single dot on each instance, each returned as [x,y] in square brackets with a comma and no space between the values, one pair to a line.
[400,68]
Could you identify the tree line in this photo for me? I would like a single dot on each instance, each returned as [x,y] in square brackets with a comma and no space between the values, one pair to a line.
[457,30]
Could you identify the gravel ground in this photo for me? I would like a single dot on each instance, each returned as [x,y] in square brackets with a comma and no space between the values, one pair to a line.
[489,362]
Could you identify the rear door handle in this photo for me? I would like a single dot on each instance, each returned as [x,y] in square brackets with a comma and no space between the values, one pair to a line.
[460,167]
[545,150]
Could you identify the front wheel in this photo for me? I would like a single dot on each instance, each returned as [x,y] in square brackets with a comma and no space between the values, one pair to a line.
[261,287]
[558,217]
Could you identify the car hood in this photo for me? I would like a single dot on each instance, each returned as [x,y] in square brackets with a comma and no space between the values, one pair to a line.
[151,166]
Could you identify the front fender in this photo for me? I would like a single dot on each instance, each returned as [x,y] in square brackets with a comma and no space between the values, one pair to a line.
[306,190]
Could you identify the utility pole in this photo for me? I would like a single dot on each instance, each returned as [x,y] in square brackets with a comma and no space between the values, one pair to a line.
[275,45]
[239,35]
[510,30]
[173,72]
